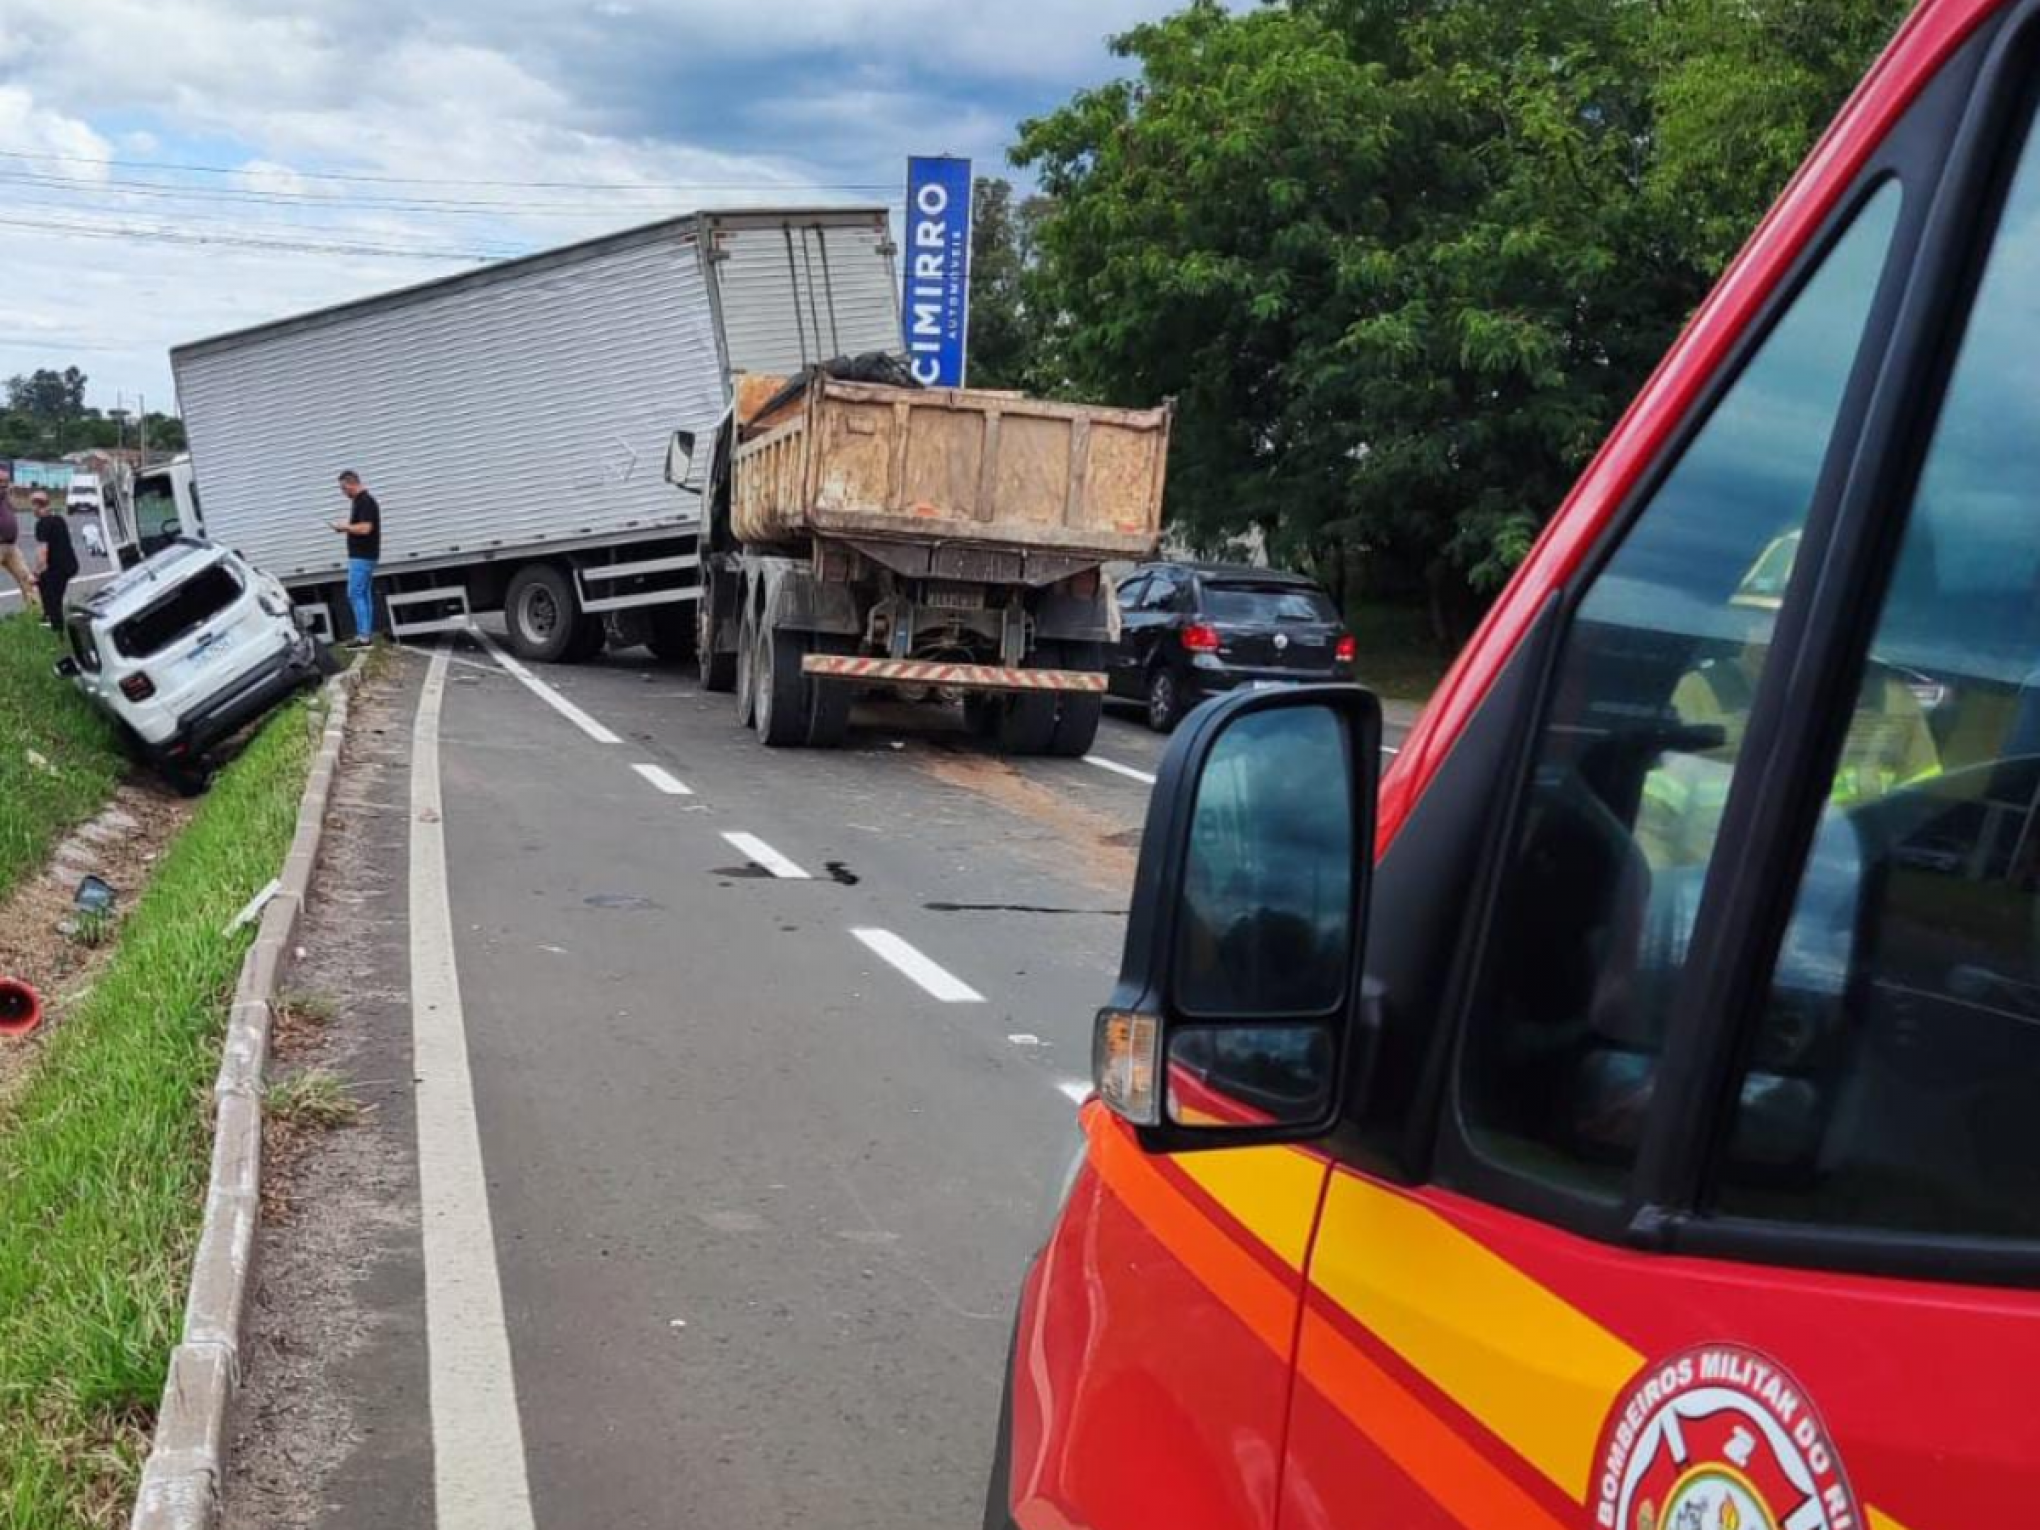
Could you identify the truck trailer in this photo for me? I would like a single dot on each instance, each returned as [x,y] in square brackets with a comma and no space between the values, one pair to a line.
[513,422]
[948,541]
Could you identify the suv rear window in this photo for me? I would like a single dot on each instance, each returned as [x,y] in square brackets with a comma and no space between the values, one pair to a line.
[185,609]
[1267,603]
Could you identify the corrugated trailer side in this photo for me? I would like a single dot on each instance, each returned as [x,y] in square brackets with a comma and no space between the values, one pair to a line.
[519,407]
[795,288]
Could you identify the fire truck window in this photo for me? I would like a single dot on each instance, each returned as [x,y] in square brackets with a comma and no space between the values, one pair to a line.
[1894,1080]
[1639,743]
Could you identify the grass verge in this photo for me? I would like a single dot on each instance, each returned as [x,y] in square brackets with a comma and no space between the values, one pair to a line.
[59,760]
[104,1154]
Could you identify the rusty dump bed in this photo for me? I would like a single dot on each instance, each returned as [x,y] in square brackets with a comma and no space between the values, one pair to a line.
[863,461]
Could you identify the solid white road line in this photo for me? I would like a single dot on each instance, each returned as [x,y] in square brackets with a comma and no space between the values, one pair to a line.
[478,1474]
[664,780]
[933,980]
[759,853]
[546,693]
[1078,1089]
[1118,769]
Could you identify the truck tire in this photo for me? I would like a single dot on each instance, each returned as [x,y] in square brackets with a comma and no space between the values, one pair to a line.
[1077,713]
[591,636]
[672,634]
[829,702]
[781,690]
[746,686]
[541,613]
[981,716]
[718,670]
[1027,723]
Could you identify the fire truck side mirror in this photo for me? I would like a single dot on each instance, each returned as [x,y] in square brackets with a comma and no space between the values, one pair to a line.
[1238,993]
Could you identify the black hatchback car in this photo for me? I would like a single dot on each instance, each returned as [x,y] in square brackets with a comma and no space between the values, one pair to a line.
[1191,630]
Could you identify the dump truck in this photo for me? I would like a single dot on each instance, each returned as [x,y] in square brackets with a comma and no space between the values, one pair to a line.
[512,421]
[945,542]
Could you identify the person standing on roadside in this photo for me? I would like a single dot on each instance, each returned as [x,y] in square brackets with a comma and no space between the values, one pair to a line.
[57,562]
[10,539]
[363,528]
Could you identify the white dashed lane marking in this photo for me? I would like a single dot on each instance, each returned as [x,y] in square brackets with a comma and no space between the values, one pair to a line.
[932,979]
[758,853]
[1118,769]
[546,693]
[664,780]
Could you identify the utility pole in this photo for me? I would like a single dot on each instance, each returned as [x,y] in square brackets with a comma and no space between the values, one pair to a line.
[142,429]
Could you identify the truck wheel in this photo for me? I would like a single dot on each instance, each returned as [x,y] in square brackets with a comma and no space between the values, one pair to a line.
[1164,699]
[829,701]
[747,670]
[541,613]
[981,715]
[718,670]
[782,690]
[591,636]
[1078,713]
[1027,723]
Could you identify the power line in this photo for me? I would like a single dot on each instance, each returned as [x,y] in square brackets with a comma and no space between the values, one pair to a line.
[280,246]
[278,198]
[361,178]
[497,248]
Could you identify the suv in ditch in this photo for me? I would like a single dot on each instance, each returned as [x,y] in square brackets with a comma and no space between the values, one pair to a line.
[185,649]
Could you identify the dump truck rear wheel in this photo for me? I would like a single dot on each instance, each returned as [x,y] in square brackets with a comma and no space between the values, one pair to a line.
[1078,713]
[1027,723]
[718,669]
[781,700]
[829,701]
[747,671]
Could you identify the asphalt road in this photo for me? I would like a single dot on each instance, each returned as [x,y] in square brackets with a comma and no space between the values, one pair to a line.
[765,1153]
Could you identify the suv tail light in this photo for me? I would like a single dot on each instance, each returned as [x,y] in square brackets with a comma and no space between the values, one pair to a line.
[138,686]
[1348,649]
[1200,637]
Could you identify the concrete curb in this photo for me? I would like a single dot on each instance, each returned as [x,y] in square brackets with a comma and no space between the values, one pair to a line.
[180,1488]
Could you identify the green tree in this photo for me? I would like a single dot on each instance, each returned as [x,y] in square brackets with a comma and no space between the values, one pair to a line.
[1402,262]
[1002,333]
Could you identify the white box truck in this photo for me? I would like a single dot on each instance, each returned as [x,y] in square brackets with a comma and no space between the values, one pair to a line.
[514,421]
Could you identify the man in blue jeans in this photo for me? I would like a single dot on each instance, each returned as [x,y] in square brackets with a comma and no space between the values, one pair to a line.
[363,528]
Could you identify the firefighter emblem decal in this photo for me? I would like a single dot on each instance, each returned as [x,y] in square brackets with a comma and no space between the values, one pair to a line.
[1720,1438]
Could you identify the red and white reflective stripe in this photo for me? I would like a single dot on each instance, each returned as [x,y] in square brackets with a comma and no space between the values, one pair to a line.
[973,677]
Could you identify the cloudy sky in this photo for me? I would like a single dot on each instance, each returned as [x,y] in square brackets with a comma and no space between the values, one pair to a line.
[173,168]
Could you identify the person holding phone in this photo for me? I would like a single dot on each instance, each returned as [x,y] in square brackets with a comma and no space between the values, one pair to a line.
[363,529]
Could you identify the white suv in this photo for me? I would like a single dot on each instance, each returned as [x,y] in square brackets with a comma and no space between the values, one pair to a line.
[184,649]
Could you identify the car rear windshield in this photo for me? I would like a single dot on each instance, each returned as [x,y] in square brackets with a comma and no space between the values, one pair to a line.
[1267,603]
[183,610]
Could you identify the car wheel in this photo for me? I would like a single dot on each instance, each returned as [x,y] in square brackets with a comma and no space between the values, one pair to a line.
[1164,699]
[541,614]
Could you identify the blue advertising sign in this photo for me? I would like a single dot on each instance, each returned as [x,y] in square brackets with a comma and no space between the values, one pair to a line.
[936,310]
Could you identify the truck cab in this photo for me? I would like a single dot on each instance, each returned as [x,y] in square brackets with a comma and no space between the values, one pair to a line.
[1620,1114]
[164,506]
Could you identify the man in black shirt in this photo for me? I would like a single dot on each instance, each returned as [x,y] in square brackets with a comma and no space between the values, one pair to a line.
[57,562]
[363,528]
